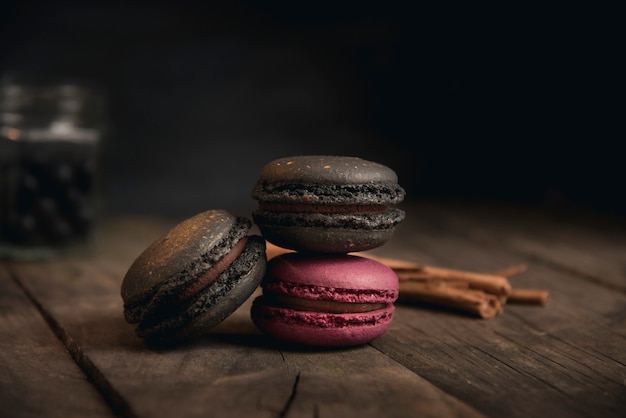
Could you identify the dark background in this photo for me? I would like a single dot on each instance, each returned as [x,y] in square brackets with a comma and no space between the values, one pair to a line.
[509,104]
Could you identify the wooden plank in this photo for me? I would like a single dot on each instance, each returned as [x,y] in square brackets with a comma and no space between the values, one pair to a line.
[588,245]
[362,383]
[501,368]
[235,371]
[38,377]
[563,360]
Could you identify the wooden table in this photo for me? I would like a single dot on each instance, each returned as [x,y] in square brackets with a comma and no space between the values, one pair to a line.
[66,350]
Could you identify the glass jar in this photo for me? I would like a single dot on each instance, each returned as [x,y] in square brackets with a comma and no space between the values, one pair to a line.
[49,140]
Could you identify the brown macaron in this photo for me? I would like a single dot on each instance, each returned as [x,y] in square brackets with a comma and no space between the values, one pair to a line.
[327,204]
[193,277]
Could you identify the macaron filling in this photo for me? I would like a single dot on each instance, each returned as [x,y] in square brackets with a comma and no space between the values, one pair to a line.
[317,208]
[319,305]
[213,272]
[327,320]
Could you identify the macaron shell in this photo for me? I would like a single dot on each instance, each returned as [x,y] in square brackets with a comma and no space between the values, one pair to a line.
[175,250]
[327,179]
[326,240]
[344,271]
[321,329]
[329,168]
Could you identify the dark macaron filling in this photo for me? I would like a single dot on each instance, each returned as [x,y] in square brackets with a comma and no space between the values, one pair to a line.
[318,305]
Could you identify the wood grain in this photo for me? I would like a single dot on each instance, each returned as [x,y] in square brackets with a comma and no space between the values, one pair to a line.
[565,359]
[38,377]
[235,371]
[587,245]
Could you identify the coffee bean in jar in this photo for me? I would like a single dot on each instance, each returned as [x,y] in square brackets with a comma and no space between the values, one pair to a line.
[48,168]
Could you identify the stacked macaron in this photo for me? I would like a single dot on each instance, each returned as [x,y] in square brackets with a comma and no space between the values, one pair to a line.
[324,207]
[207,266]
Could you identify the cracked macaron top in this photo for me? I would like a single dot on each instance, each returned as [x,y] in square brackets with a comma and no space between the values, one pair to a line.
[185,274]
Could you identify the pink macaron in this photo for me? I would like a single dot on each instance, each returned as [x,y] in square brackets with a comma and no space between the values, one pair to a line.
[326,300]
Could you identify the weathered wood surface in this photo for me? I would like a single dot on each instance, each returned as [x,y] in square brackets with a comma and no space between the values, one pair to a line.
[566,359]
[37,375]
[583,244]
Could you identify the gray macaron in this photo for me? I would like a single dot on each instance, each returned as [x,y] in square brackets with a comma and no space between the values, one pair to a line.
[193,277]
[327,204]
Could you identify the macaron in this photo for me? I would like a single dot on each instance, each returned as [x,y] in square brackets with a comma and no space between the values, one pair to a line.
[193,277]
[327,204]
[327,300]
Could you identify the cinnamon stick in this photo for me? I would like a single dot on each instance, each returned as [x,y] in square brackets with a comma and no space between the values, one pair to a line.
[475,302]
[529,296]
[496,285]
